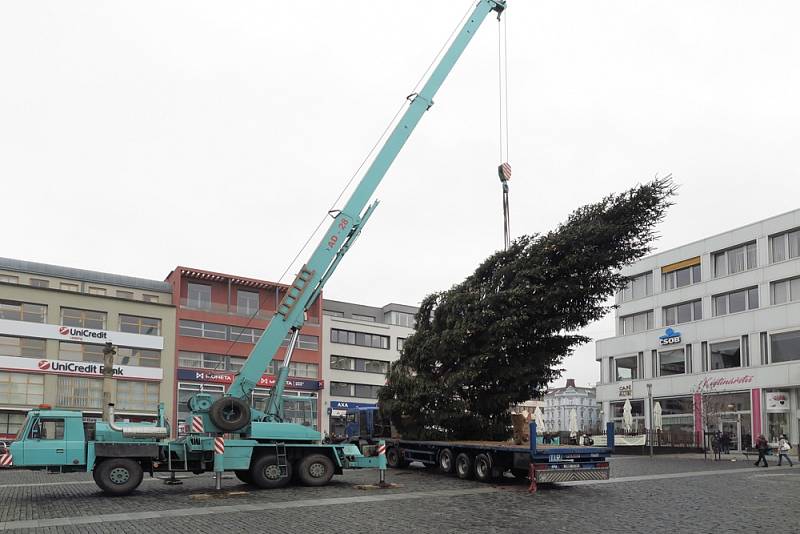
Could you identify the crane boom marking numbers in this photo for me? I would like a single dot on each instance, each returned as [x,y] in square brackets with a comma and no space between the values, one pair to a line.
[343,224]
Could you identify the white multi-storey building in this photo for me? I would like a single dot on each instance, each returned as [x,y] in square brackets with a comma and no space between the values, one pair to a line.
[712,328]
[359,343]
[559,403]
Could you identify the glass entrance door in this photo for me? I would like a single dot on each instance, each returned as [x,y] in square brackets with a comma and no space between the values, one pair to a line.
[732,429]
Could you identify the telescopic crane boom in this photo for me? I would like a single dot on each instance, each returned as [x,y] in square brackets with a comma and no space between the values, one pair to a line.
[232,412]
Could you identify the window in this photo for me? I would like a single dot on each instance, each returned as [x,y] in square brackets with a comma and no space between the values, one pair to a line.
[83,318]
[368,318]
[303,370]
[362,365]
[97,290]
[22,347]
[784,246]
[138,357]
[672,362]
[785,291]
[627,368]
[9,279]
[332,313]
[140,325]
[681,274]
[137,395]
[38,282]
[736,301]
[23,311]
[244,335]
[725,355]
[68,287]
[401,342]
[400,319]
[47,429]
[304,342]
[199,329]
[638,286]
[149,298]
[638,322]
[199,296]
[341,389]
[80,352]
[125,294]
[342,362]
[785,346]
[10,422]
[367,391]
[76,392]
[344,389]
[19,388]
[735,260]
[362,339]
[684,312]
[246,302]
[201,360]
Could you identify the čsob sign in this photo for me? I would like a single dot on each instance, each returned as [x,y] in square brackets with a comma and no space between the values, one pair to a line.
[670,337]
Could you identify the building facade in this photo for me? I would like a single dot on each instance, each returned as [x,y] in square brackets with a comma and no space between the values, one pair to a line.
[713,328]
[359,344]
[54,322]
[219,319]
[559,403]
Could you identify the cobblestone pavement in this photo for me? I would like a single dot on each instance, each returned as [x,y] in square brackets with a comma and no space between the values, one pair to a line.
[677,494]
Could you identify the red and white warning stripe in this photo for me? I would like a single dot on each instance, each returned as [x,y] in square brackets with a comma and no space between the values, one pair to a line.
[382,449]
[505,172]
[6,460]
[219,445]
[197,423]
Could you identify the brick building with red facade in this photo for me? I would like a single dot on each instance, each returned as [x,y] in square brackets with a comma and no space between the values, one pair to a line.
[219,318]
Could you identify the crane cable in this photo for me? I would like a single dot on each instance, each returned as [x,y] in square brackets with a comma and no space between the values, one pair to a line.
[502,80]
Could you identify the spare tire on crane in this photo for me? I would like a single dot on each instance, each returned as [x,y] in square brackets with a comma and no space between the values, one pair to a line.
[229,414]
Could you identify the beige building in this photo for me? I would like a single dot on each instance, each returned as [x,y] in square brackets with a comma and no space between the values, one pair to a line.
[54,322]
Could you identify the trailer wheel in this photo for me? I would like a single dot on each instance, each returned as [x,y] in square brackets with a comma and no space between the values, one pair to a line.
[315,470]
[118,476]
[244,476]
[464,466]
[229,414]
[446,461]
[394,458]
[483,467]
[265,473]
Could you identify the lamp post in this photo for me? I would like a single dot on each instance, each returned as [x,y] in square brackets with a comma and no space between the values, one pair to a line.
[650,402]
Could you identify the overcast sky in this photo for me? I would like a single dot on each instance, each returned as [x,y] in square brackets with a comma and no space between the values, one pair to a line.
[136,136]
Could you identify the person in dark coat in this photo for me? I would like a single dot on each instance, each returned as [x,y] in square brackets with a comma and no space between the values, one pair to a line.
[763,448]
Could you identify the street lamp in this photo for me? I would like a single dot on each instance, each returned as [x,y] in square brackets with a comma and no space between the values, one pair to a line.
[650,402]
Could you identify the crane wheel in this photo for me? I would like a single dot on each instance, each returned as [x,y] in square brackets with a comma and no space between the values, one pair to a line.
[229,414]
[464,466]
[315,470]
[266,473]
[118,476]
[446,461]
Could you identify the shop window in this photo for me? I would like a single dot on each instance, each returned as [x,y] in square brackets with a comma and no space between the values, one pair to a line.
[725,355]
[21,388]
[626,368]
[672,362]
[785,347]
[83,318]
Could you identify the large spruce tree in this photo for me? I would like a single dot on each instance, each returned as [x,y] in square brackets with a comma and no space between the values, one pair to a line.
[499,336]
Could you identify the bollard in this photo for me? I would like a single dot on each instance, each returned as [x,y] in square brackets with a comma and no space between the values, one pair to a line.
[219,451]
[382,464]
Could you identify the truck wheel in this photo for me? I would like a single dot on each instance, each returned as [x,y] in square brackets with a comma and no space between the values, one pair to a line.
[244,476]
[394,458]
[483,467]
[464,466]
[265,473]
[315,470]
[229,414]
[446,461]
[118,476]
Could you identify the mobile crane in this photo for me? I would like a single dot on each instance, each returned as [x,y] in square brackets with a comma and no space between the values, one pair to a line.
[259,447]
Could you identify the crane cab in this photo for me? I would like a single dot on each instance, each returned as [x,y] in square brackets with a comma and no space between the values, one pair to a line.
[50,439]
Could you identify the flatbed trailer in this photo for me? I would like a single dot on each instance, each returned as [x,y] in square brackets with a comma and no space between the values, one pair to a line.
[488,460]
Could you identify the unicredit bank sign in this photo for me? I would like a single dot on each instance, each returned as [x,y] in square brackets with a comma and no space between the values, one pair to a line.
[80,335]
[64,367]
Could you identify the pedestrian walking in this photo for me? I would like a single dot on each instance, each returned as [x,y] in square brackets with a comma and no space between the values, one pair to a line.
[763,448]
[783,450]
[716,446]
[726,443]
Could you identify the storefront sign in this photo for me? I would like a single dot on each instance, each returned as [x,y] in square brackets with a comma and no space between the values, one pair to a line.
[710,383]
[65,367]
[626,389]
[267,381]
[80,335]
[670,337]
[339,408]
[777,401]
